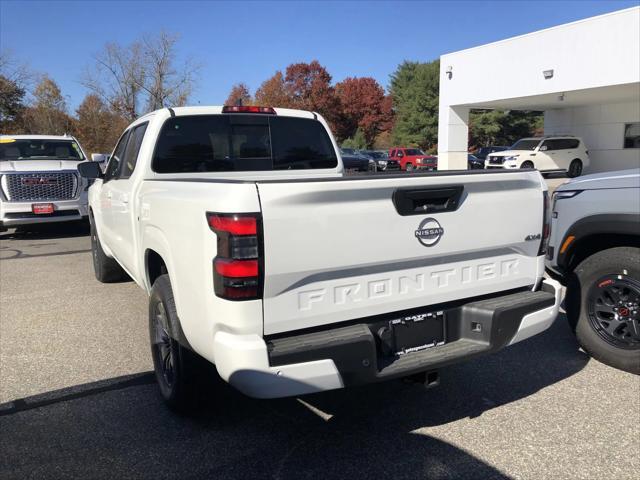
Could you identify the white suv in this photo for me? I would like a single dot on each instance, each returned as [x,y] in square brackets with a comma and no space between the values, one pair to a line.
[547,154]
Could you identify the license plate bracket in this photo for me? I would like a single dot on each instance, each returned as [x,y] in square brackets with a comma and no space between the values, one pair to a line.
[417,332]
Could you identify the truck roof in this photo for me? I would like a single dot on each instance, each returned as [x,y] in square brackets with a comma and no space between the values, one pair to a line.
[39,137]
[217,109]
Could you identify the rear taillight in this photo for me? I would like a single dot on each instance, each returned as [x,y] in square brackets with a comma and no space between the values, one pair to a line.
[248,109]
[237,269]
[546,224]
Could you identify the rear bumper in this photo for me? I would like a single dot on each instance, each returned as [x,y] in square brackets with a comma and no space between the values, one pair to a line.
[350,355]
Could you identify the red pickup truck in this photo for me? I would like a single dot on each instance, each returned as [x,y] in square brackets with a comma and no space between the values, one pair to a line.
[412,158]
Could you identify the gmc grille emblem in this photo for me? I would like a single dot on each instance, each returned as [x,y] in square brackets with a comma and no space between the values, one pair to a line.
[31,181]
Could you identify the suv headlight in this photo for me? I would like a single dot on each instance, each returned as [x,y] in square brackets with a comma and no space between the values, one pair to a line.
[511,158]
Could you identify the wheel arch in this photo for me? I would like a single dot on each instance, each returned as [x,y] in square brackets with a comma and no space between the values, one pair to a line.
[155,266]
[596,233]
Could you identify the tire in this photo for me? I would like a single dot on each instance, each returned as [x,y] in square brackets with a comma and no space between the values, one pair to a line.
[575,168]
[106,269]
[182,375]
[602,287]
[527,164]
[409,167]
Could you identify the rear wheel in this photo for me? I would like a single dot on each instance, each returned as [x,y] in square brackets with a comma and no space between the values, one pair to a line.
[603,302]
[106,269]
[409,167]
[527,164]
[575,168]
[181,374]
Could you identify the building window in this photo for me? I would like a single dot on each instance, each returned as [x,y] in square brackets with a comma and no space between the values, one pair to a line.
[632,135]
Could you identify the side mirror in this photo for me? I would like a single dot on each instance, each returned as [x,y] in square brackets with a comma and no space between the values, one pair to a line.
[90,170]
[543,148]
[400,154]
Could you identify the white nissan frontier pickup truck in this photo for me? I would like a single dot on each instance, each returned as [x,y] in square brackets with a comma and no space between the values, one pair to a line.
[261,257]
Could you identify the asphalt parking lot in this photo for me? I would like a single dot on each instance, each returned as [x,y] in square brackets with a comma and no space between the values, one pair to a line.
[77,399]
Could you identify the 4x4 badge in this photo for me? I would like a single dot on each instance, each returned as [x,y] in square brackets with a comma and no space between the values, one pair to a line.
[429,232]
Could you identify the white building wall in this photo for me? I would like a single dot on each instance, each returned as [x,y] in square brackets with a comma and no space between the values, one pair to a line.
[602,129]
[596,52]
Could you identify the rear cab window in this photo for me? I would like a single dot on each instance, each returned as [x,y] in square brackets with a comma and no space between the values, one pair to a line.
[240,143]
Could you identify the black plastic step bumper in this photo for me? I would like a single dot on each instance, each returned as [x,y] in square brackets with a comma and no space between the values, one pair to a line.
[472,329]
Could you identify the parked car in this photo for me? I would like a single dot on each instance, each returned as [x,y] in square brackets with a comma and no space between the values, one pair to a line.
[482,152]
[595,251]
[39,180]
[254,250]
[413,159]
[383,163]
[547,154]
[349,151]
[474,163]
[357,163]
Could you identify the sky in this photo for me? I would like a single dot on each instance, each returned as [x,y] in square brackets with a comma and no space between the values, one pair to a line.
[248,41]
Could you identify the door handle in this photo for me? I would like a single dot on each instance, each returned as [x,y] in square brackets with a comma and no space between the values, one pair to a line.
[124,198]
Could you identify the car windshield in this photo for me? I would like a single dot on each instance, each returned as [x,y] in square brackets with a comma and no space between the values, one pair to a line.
[526,144]
[413,151]
[32,149]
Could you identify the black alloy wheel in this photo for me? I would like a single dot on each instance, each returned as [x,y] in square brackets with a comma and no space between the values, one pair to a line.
[613,303]
[163,346]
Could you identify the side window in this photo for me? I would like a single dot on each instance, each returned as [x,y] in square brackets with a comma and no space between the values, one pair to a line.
[571,143]
[115,162]
[393,153]
[632,135]
[133,148]
[551,145]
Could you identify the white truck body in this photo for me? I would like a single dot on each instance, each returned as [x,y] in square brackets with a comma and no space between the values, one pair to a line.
[335,253]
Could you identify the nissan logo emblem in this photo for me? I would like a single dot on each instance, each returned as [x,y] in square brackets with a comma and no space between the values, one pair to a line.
[429,232]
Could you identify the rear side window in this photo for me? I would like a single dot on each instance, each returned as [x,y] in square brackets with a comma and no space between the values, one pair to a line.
[118,154]
[571,143]
[133,148]
[241,142]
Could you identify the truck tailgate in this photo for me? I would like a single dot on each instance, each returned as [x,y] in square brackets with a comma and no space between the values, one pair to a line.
[342,249]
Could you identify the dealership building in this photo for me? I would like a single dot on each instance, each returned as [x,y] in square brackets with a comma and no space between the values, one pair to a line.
[584,76]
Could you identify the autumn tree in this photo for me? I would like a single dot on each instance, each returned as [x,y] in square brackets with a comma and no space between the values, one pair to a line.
[11,104]
[309,86]
[117,77]
[358,141]
[15,83]
[363,107]
[48,113]
[239,95]
[165,83]
[274,93]
[415,90]
[142,76]
[97,127]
